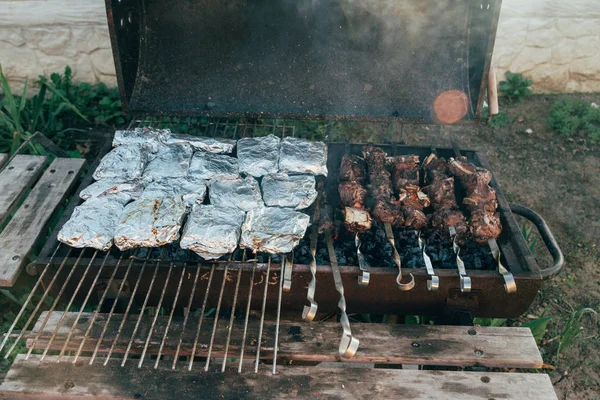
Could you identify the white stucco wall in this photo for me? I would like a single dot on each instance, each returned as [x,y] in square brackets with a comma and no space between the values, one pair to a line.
[555,42]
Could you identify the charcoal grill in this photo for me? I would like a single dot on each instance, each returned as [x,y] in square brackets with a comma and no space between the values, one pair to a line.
[232,84]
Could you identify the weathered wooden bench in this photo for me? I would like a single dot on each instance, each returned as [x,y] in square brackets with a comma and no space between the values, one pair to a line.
[438,362]
[30,194]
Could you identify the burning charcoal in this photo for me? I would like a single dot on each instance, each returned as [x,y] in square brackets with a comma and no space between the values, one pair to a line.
[150,223]
[241,193]
[123,163]
[112,187]
[282,190]
[169,162]
[92,224]
[299,156]
[212,232]
[207,144]
[141,136]
[273,230]
[191,189]
[258,156]
[214,166]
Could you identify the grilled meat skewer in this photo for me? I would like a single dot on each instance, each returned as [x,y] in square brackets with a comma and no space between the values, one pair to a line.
[386,208]
[352,196]
[484,222]
[447,217]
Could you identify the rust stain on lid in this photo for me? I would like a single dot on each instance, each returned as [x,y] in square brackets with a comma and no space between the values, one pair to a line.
[451,106]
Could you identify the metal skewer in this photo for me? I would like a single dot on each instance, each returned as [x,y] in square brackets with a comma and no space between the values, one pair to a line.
[433,284]
[365,277]
[287,264]
[309,312]
[509,281]
[390,237]
[465,280]
[278,319]
[348,343]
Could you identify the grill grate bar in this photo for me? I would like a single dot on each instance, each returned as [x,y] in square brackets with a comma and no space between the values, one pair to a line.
[112,347]
[247,318]
[100,303]
[162,342]
[212,272]
[141,313]
[278,319]
[185,318]
[216,321]
[62,318]
[26,305]
[62,289]
[262,316]
[162,297]
[231,317]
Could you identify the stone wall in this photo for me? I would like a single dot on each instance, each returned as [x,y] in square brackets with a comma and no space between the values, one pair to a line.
[555,42]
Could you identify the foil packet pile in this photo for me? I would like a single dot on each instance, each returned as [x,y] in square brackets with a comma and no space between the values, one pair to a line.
[151,178]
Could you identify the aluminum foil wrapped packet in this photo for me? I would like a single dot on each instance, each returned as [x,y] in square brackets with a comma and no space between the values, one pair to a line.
[211,231]
[190,188]
[149,223]
[125,163]
[295,191]
[273,230]
[208,144]
[140,136]
[214,166]
[114,188]
[92,224]
[169,162]
[258,156]
[299,156]
[240,193]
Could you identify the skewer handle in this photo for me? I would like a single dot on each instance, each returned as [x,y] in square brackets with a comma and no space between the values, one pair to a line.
[390,237]
[509,280]
[433,284]
[365,277]
[309,312]
[465,280]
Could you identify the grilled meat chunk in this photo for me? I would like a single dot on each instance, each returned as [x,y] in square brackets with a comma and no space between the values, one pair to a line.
[352,194]
[323,214]
[357,220]
[353,168]
[480,199]
[405,171]
[441,192]
[405,181]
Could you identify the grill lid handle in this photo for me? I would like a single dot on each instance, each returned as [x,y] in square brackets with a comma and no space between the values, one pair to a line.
[547,237]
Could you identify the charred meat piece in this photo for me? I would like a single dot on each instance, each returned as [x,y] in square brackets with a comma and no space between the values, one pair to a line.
[385,208]
[352,194]
[441,192]
[405,171]
[480,199]
[405,180]
[357,220]
[323,214]
[353,168]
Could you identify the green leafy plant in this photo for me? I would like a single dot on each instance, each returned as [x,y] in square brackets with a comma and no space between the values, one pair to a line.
[572,117]
[530,237]
[538,327]
[573,329]
[60,106]
[515,87]
[498,121]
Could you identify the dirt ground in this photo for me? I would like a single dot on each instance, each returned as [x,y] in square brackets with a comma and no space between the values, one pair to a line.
[560,179]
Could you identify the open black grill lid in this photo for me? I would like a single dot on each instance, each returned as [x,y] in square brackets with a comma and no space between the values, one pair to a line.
[352,59]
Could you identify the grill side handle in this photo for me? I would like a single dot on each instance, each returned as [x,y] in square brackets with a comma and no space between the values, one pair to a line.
[547,237]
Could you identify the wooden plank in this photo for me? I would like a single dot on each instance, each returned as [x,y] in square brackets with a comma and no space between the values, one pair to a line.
[29,222]
[48,380]
[316,342]
[3,158]
[15,179]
